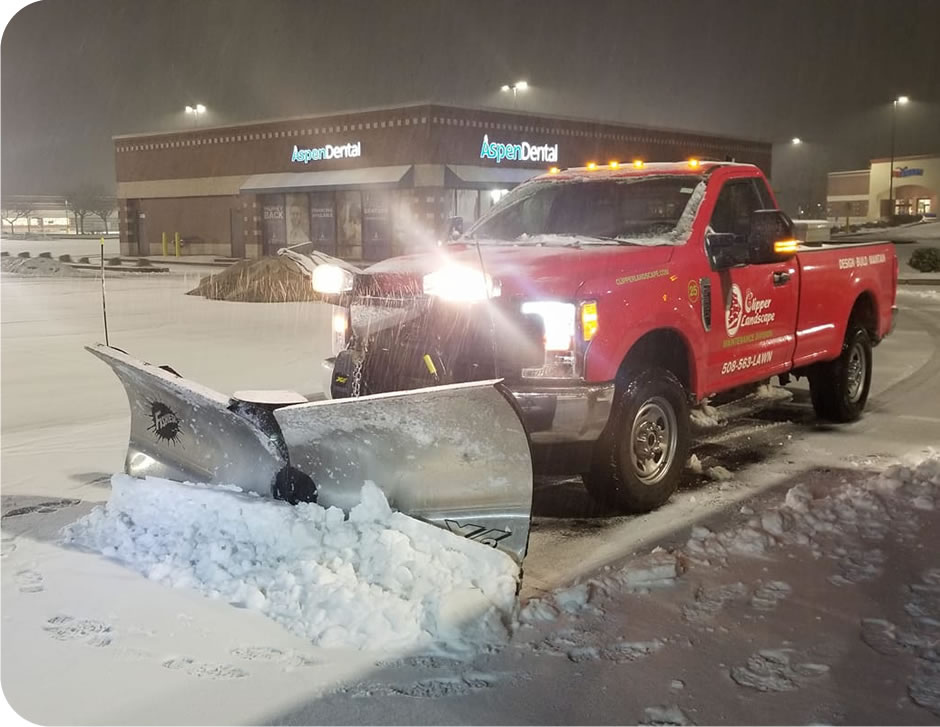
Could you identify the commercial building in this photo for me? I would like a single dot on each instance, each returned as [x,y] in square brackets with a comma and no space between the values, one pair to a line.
[362,185]
[864,195]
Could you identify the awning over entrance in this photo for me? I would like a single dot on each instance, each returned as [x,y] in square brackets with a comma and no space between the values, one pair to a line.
[328,180]
[489,176]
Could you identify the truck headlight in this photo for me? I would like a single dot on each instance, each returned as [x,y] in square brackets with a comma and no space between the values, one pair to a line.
[460,284]
[558,322]
[331,279]
[558,319]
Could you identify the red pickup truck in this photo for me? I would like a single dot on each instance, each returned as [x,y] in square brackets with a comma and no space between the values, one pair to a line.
[610,300]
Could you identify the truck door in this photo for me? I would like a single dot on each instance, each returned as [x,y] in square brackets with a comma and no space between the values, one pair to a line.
[754,306]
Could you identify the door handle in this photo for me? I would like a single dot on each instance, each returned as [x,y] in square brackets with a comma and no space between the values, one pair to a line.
[781,277]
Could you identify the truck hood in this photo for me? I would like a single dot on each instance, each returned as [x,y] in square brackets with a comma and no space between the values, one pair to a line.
[528,270]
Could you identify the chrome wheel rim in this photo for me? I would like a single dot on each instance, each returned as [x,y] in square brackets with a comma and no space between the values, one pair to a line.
[653,440]
[855,372]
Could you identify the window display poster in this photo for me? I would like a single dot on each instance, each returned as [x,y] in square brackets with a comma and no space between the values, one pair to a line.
[349,224]
[297,219]
[272,210]
[377,226]
[323,222]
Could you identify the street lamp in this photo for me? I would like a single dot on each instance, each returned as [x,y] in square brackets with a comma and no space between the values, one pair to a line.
[899,101]
[796,140]
[515,87]
[196,111]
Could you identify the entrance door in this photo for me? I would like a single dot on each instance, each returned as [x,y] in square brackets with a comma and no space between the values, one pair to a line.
[753,332]
[237,227]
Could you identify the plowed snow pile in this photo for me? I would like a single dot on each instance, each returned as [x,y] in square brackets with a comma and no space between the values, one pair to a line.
[375,580]
[41,267]
[266,280]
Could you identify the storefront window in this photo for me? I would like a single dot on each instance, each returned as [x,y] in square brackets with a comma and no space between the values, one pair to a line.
[923,205]
[297,219]
[467,204]
[376,226]
[323,222]
[274,229]
[349,225]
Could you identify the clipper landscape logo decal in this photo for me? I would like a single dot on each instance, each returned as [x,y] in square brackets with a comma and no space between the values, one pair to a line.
[164,423]
[746,310]
[734,310]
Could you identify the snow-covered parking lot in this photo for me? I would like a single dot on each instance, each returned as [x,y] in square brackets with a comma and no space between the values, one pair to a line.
[804,587]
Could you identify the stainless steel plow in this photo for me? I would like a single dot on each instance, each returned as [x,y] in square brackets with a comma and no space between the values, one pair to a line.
[456,456]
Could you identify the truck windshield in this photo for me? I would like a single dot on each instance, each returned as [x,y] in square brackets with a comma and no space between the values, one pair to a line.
[640,211]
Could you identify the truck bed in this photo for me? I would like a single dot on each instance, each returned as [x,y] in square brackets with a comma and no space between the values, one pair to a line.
[834,276]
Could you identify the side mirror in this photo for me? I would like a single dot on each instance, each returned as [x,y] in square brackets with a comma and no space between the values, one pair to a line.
[726,250]
[454,227]
[771,237]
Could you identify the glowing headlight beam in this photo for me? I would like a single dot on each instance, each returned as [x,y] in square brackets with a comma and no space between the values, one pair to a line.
[558,319]
[331,279]
[460,284]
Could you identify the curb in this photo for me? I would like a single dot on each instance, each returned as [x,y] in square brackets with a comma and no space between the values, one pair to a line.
[918,281]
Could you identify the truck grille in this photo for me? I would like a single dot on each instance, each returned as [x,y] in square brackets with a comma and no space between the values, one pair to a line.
[458,338]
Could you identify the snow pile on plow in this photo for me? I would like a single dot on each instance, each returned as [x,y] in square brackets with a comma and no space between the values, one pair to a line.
[375,580]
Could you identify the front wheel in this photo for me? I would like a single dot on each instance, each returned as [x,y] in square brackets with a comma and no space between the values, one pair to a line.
[839,388]
[639,459]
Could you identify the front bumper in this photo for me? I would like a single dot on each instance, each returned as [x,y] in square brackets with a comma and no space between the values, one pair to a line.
[571,413]
[552,414]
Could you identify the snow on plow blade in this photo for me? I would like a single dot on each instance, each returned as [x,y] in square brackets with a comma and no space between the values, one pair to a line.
[456,456]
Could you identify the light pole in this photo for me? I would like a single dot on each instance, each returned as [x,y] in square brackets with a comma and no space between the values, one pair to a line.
[196,111]
[517,86]
[900,100]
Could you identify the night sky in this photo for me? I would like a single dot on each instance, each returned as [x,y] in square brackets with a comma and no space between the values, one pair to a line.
[75,72]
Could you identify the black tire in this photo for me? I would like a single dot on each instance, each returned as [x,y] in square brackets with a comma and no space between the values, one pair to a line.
[655,402]
[839,388]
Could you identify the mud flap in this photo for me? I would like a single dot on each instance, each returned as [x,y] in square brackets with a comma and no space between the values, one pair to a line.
[457,456]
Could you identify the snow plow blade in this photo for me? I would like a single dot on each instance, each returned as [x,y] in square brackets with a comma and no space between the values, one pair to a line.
[456,456]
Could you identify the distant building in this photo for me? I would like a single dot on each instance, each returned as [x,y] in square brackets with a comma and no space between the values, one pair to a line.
[362,185]
[862,195]
[49,216]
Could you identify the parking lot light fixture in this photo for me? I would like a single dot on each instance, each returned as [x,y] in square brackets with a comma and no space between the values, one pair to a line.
[899,101]
[515,88]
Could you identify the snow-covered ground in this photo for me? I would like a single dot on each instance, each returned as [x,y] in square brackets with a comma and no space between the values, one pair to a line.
[919,231]
[759,605]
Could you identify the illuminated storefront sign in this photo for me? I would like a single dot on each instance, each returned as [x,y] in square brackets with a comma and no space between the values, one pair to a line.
[524,152]
[908,172]
[329,151]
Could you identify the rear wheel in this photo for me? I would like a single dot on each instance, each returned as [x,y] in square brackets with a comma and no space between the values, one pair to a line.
[639,459]
[839,388]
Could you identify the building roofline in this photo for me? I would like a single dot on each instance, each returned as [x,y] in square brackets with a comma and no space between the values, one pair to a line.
[454,107]
[881,160]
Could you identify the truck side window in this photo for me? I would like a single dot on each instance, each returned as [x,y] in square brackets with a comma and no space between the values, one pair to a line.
[738,199]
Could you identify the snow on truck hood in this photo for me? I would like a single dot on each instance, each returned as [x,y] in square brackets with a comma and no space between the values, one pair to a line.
[530,268]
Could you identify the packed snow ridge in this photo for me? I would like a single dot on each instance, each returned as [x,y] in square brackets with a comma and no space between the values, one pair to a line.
[374,579]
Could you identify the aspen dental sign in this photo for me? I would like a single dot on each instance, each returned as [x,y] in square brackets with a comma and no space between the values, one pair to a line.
[524,152]
[330,151]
